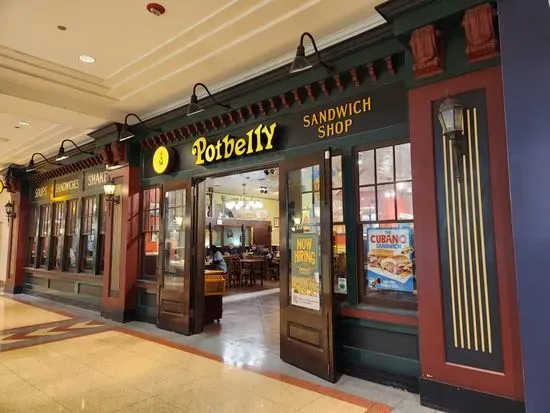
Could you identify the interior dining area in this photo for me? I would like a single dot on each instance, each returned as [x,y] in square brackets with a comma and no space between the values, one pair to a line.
[242,249]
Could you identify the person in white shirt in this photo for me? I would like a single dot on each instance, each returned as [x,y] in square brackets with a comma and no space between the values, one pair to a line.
[217,258]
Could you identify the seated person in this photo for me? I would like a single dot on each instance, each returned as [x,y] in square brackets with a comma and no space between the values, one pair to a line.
[254,249]
[232,250]
[217,258]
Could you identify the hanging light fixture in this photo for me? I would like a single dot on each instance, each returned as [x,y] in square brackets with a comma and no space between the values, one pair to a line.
[194,107]
[300,62]
[32,167]
[10,213]
[61,155]
[243,203]
[129,131]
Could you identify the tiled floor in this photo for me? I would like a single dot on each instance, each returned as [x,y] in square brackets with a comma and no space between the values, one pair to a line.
[102,367]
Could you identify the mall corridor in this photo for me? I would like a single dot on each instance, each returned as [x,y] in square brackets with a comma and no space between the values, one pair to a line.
[56,361]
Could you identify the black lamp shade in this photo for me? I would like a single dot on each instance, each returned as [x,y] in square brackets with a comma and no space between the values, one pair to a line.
[61,154]
[193,106]
[451,116]
[125,133]
[9,209]
[300,62]
[30,167]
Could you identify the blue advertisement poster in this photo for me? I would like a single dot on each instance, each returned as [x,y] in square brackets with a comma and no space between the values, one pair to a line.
[389,259]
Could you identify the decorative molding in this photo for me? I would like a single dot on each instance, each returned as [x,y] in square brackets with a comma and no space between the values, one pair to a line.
[392,9]
[372,71]
[426,51]
[389,65]
[355,76]
[479,27]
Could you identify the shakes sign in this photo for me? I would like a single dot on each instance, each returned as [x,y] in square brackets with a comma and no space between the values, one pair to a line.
[259,139]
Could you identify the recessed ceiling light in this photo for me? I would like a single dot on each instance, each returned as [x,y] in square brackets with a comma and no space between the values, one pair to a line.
[62,28]
[24,123]
[86,59]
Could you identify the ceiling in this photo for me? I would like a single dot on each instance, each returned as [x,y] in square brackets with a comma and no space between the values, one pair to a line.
[143,63]
[233,184]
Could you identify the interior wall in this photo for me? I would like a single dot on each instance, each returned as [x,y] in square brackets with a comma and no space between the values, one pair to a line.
[271,206]
[4,237]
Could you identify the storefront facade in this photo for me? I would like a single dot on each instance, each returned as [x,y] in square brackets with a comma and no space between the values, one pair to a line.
[445,324]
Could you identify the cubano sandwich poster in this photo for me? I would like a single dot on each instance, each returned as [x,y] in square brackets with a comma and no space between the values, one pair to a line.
[389,264]
[305,269]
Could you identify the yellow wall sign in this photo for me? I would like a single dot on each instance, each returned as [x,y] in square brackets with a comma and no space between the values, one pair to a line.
[1,186]
[163,160]
[259,139]
[337,120]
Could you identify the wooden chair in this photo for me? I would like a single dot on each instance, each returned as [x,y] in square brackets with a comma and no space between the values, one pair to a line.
[259,270]
[234,271]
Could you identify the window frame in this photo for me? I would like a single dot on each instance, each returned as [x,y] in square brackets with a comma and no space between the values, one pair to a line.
[47,234]
[388,299]
[145,232]
[93,220]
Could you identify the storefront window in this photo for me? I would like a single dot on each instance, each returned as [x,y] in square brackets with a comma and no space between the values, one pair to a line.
[386,218]
[31,259]
[87,234]
[339,268]
[174,243]
[101,235]
[69,255]
[57,235]
[43,235]
[150,227]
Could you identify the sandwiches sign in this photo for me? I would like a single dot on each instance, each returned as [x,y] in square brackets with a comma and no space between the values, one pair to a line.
[390,259]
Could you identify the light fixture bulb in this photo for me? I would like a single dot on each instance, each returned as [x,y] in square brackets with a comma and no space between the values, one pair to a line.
[86,58]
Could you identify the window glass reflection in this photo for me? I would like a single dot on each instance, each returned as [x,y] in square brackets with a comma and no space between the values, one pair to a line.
[174,243]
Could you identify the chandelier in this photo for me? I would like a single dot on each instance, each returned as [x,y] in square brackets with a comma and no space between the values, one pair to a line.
[243,203]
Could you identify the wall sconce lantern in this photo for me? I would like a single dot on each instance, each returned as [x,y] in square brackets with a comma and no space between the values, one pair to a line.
[109,188]
[451,118]
[193,107]
[300,62]
[62,155]
[10,213]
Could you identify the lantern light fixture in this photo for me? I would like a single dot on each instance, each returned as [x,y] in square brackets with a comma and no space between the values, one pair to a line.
[109,188]
[62,155]
[193,107]
[10,213]
[300,62]
[451,118]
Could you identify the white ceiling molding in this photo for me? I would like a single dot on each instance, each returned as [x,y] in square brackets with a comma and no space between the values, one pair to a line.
[323,43]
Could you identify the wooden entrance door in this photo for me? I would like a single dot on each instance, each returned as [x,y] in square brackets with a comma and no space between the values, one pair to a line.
[174,311]
[307,338]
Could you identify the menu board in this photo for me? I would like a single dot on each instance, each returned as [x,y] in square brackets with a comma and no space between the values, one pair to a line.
[305,270]
[390,259]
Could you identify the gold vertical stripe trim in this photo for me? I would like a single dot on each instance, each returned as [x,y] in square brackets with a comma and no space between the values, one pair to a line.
[455,237]
[463,261]
[469,238]
[481,226]
[449,245]
[476,235]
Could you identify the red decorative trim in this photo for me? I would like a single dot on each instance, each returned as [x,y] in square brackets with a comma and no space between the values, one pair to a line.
[205,127]
[273,105]
[311,92]
[372,71]
[389,65]
[426,50]
[241,115]
[297,97]
[262,109]
[479,27]
[284,101]
[430,308]
[338,82]
[355,77]
[379,316]
[232,119]
[251,112]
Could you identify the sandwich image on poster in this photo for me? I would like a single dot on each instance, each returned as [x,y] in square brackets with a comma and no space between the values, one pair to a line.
[390,259]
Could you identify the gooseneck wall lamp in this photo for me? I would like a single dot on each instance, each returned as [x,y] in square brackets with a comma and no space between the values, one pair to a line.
[129,131]
[451,118]
[300,62]
[31,166]
[61,155]
[194,106]
[109,188]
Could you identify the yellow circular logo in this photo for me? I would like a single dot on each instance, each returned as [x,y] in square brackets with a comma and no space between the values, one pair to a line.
[162,160]
[1,186]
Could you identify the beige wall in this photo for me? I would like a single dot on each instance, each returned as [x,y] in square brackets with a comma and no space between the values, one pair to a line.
[4,236]
[271,206]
